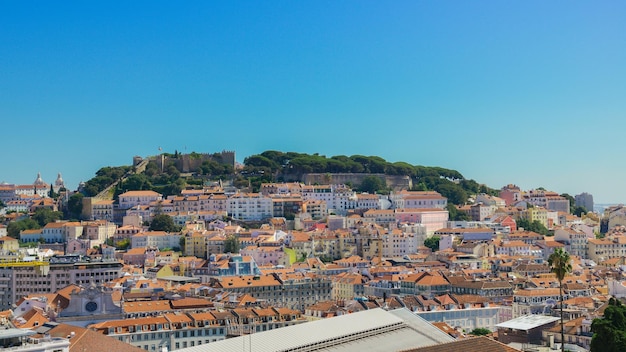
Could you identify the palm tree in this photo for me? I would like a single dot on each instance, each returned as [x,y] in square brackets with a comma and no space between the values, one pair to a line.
[560,265]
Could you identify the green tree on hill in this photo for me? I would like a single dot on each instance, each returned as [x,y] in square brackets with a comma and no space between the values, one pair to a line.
[105,177]
[163,222]
[14,227]
[455,215]
[535,226]
[373,184]
[609,332]
[231,244]
[44,216]
[74,206]
[480,332]
[432,243]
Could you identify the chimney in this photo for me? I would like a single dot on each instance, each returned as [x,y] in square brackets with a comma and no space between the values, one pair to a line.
[551,341]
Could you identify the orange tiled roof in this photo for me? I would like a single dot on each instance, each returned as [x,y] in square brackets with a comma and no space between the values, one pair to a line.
[482,344]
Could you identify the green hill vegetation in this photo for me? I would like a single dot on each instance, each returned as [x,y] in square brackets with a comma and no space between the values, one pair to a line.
[276,166]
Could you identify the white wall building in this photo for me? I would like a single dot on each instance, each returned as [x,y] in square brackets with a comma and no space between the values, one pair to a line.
[418,199]
[250,206]
[398,244]
[129,199]
[157,239]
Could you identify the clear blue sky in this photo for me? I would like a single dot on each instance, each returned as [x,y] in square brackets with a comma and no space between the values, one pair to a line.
[524,92]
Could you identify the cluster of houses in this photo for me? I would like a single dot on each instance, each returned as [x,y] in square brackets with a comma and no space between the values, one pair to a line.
[322,251]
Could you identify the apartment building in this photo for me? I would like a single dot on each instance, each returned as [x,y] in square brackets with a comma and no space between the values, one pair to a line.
[347,286]
[99,230]
[286,205]
[432,219]
[546,199]
[271,189]
[480,211]
[338,197]
[418,199]
[535,301]
[527,237]
[316,208]
[197,243]
[382,217]
[536,214]
[263,255]
[428,284]
[517,248]
[249,206]
[54,232]
[575,241]
[155,239]
[175,330]
[8,244]
[196,203]
[126,232]
[130,199]
[294,291]
[99,209]
[511,194]
[584,200]
[19,279]
[397,243]
[364,201]
[600,250]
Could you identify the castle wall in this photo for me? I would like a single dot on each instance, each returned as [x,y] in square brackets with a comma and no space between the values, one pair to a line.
[191,162]
[394,182]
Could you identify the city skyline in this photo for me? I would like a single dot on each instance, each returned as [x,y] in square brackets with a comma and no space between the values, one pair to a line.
[525,93]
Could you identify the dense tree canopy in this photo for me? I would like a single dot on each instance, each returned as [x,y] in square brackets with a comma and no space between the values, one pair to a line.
[455,215]
[215,169]
[579,211]
[231,244]
[432,243]
[609,332]
[163,222]
[535,226]
[450,183]
[44,216]
[104,178]
[74,206]
[297,163]
[480,332]
[14,227]
[373,184]
[276,166]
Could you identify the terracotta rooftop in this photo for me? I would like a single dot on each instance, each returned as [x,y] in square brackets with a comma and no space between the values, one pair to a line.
[482,344]
[92,341]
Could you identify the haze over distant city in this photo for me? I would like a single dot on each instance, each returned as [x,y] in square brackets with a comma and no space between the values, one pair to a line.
[530,93]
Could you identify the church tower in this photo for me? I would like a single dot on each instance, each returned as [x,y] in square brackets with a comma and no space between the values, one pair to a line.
[59,183]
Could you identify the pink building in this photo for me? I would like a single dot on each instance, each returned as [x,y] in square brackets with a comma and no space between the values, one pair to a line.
[511,194]
[265,255]
[433,219]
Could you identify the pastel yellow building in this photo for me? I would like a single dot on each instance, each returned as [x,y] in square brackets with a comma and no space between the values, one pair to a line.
[536,214]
